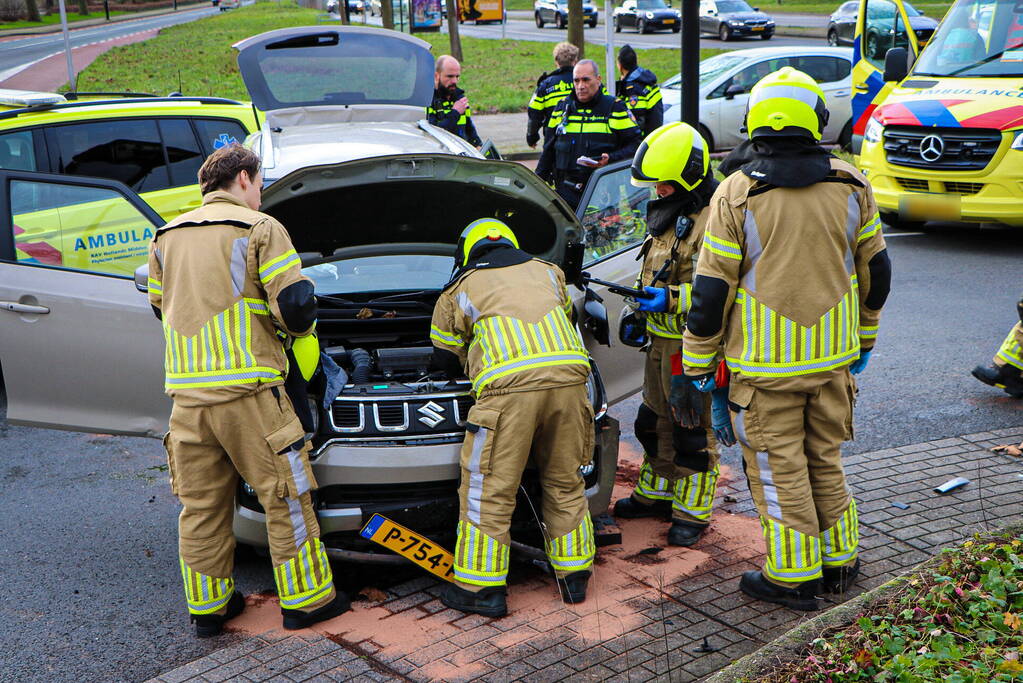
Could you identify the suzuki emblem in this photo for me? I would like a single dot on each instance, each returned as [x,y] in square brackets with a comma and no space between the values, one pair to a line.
[931,148]
[432,414]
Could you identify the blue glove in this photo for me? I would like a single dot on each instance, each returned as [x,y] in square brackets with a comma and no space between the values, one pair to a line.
[704,383]
[655,301]
[720,419]
[860,364]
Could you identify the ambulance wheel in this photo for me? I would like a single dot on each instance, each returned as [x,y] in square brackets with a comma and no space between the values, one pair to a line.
[892,220]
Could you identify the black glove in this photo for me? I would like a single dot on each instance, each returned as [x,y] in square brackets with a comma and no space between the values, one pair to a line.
[686,402]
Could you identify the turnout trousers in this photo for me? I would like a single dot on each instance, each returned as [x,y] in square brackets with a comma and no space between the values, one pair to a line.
[790,445]
[1011,350]
[258,437]
[555,428]
[690,487]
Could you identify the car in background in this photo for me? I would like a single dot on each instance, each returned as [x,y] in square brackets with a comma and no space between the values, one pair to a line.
[729,19]
[556,12]
[842,24]
[726,79]
[647,15]
[229,4]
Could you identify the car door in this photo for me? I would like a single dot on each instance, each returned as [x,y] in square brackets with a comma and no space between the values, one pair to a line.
[833,75]
[708,22]
[79,346]
[881,25]
[628,17]
[613,214]
[846,24]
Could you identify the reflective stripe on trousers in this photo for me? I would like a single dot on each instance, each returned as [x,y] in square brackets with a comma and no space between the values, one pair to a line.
[205,594]
[694,495]
[574,551]
[1010,352]
[792,557]
[841,541]
[652,486]
[306,578]
[479,559]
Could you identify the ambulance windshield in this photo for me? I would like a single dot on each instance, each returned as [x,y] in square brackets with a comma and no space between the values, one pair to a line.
[978,38]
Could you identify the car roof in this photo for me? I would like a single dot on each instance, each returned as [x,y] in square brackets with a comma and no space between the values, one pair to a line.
[792,51]
[25,107]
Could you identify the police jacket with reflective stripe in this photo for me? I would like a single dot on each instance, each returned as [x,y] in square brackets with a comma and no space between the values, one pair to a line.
[442,114]
[600,126]
[224,279]
[550,89]
[640,92]
[783,278]
[511,328]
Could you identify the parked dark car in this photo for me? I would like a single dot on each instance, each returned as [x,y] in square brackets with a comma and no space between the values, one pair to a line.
[556,12]
[734,18]
[647,15]
[842,25]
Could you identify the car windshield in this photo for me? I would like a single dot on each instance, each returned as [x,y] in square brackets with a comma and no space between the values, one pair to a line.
[733,6]
[977,38]
[651,4]
[710,69]
[385,273]
[912,11]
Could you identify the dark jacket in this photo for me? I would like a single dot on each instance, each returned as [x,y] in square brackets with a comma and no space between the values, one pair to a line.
[440,113]
[550,89]
[640,92]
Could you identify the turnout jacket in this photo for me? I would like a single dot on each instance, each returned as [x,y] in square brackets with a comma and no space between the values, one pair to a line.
[442,114]
[786,280]
[550,89]
[224,279]
[511,327]
[641,94]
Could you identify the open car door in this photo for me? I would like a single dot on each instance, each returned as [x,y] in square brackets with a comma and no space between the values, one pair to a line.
[80,348]
[880,26]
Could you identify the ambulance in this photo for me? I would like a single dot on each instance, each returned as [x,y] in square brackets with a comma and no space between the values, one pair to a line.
[939,131]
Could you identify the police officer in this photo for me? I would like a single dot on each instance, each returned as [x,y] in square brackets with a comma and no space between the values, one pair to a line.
[639,91]
[1006,370]
[792,278]
[506,319]
[550,89]
[590,129]
[223,278]
[449,108]
[675,161]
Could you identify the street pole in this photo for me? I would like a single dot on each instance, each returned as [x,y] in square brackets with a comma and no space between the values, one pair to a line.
[504,19]
[106,9]
[690,62]
[67,47]
[609,49]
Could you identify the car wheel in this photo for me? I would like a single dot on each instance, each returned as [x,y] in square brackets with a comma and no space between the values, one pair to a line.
[833,38]
[724,33]
[592,24]
[872,46]
[892,220]
[559,21]
[676,29]
[641,26]
[766,36]
[539,20]
[845,137]
[618,25]
[705,134]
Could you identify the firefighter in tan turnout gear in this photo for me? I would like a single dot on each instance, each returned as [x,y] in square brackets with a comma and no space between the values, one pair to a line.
[674,160]
[226,281]
[1006,370]
[792,278]
[506,319]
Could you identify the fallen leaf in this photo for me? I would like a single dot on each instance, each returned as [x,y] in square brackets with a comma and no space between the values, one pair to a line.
[1009,449]
[864,658]
[391,314]
[364,313]
[1011,666]
[373,594]
[1012,621]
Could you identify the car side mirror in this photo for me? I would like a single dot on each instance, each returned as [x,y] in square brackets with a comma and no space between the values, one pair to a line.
[712,12]
[595,318]
[734,90]
[896,64]
[142,278]
[756,9]
[572,266]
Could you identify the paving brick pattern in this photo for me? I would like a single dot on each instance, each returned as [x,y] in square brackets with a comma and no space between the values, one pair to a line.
[649,629]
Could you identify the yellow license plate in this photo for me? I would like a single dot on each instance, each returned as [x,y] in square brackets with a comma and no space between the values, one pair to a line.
[667,21]
[410,545]
[758,28]
[931,207]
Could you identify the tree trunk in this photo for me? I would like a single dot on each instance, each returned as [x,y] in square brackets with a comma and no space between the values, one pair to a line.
[387,13]
[33,10]
[83,7]
[342,8]
[453,35]
[575,25]
[51,6]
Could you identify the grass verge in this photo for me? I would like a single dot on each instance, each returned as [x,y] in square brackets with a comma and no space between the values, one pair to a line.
[197,59]
[74,17]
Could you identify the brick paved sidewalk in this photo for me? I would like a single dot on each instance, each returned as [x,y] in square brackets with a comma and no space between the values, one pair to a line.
[647,612]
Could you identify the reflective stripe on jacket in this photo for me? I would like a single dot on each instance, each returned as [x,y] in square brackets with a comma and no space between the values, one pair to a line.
[641,94]
[549,91]
[441,113]
[657,250]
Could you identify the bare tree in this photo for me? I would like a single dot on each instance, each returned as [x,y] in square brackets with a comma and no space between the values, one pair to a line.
[387,13]
[575,25]
[453,35]
[33,10]
[83,7]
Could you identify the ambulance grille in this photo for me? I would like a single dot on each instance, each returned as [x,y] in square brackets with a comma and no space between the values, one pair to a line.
[962,149]
[914,184]
[964,188]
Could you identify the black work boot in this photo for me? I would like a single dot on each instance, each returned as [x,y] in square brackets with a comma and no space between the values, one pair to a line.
[685,534]
[573,587]
[295,619]
[209,625]
[628,508]
[840,579]
[1005,377]
[756,586]
[490,602]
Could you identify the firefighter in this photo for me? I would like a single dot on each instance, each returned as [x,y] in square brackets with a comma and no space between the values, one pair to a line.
[791,278]
[589,130]
[675,161]
[224,279]
[639,91]
[506,320]
[550,89]
[1006,370]
[449,108]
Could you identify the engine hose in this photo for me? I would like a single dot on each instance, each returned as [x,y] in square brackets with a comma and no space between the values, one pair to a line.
[362,363]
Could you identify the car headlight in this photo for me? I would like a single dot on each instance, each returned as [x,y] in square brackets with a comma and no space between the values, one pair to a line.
[649,15]
[734,22]
[770,23]
[873,132]
[1017,142]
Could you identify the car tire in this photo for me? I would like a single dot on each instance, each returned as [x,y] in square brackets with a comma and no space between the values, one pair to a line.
[833,38]
[676,29]
[705,134]
[845,137]
[892,220]
[592,24]
[559,21]
[724,33]
[766,36]
[618,25]
[539,20]
[641,26]
[872,46]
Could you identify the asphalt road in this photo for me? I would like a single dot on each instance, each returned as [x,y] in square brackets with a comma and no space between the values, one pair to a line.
[92,589]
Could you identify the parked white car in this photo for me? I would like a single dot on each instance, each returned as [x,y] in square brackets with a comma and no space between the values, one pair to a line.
[726,79]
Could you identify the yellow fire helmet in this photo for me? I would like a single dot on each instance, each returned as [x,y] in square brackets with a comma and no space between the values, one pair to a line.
[675,152]
[484,229]
[785,103]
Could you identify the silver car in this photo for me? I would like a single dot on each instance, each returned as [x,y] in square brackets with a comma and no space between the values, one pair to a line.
[374,198]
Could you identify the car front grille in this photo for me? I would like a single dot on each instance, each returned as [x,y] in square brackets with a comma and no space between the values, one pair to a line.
[941,149]
[412,416]
[963,188]
[914,184]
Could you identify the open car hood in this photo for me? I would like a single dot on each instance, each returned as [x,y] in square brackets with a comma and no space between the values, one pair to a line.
[417,198]
[353,72]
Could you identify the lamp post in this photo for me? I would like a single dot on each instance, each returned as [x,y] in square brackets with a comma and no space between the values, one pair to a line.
[690,33]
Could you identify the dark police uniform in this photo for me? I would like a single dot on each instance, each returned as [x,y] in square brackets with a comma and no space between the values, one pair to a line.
[641,94]
[550,89]
[442,114]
